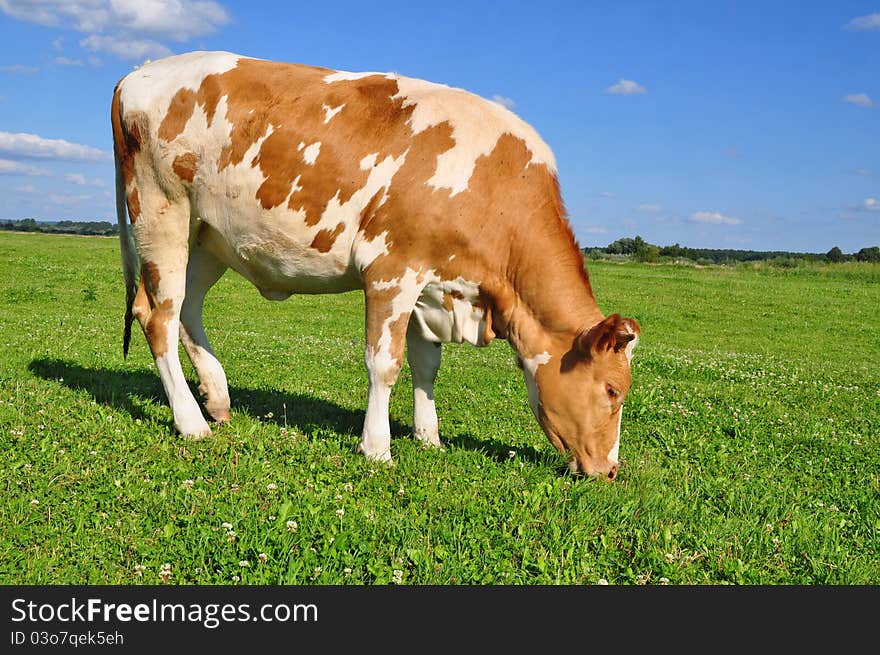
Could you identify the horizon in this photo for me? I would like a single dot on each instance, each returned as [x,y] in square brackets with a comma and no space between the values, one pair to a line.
[746,126]
[114,225]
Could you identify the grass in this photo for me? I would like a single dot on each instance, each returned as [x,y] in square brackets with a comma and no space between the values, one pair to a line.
[750,447]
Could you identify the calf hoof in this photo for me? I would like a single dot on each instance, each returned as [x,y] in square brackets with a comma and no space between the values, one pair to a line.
[382,456]
[429,437]
[218,414]
[194,432]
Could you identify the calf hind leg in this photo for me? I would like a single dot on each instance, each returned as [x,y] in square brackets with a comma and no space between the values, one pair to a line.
[157,307]
[203,271]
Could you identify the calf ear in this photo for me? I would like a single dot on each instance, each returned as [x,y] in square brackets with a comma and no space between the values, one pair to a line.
[613,333]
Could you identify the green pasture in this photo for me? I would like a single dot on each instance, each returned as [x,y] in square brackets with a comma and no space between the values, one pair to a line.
[750,447]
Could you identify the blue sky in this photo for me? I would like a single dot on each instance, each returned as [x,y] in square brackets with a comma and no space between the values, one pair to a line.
[752,125]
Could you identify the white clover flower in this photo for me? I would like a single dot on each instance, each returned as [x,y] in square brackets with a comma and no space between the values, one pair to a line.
[340,512]
[226,526]
[271,486]
[187,484]
[349,487]
[511,453]
[292,526]
[139,570]
[602,581]
[244,564]
[397,576]
[34,502]
[263,557]
[230,536]
[670,558]
[347,570]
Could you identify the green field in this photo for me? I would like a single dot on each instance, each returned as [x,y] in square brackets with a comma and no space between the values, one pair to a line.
[750,448]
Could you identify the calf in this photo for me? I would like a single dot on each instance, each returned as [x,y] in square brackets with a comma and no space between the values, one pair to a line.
[443,207]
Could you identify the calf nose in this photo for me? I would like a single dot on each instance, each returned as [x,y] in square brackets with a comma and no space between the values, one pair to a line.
[612,473]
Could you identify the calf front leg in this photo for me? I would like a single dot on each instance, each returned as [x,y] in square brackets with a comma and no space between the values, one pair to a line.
[388,305]
[382,369]
[424,362]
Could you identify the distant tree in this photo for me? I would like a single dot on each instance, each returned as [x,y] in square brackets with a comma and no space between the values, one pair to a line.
[624,246]
[675,251]
[646,252]
[871,254]
[834,255]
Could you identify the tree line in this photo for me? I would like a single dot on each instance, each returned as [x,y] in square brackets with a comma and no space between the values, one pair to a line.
[100,228]
[636,248]
[640,250]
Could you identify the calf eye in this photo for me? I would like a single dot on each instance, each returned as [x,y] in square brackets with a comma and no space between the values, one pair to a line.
[613,393]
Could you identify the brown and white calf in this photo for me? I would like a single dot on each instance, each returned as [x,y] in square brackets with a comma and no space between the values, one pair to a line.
[442,206]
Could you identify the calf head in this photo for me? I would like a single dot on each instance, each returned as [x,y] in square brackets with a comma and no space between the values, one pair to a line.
[578,395]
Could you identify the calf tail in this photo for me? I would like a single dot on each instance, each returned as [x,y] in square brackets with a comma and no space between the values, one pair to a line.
[129,260]
[126,244]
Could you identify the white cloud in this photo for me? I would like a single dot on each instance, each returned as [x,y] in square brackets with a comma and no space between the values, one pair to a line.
[58,44]
[80,180]
[95,61]
[871,204]
[178,20]
[26,188]
[865,23]
[607,194]
[8,167]
[860,99]
[21,69]
[864,172]
[626,88]
[714,218]
[648,207]
[595,229]
[504,101]
[64,61]
[36,147]
[138,49]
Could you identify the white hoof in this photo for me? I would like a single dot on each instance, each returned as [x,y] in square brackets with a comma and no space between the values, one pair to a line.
[428,436]
[194,431]
[382,456]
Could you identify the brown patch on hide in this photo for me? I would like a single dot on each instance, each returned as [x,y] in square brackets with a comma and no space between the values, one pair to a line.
[324,239]
[184,166]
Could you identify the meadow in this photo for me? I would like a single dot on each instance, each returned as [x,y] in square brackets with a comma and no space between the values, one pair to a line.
[750,446]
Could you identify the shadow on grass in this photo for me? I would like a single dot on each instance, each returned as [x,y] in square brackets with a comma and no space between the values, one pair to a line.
[119,388]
